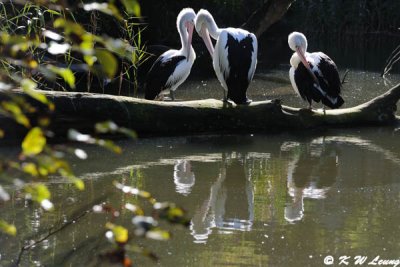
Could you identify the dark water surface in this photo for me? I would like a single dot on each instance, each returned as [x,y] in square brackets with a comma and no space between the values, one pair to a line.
[288,199]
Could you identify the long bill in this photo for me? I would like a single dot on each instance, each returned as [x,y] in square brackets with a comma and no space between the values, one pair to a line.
[190,28]
[306,64]
[207,40]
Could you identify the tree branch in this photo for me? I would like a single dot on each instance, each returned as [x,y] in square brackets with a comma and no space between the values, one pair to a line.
[81,110]
[271,12]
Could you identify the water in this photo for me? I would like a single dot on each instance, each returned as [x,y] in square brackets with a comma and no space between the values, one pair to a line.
[287,199]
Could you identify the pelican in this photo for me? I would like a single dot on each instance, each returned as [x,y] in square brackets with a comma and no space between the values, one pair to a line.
[314,76]
[234,56]
[173,67]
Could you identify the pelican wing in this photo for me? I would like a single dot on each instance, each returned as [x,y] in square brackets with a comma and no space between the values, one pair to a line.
[157,79]
[220,59]
[328,74]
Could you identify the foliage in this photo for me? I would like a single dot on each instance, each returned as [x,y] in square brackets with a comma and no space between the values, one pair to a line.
[55,46]
[143,226]
[41,43]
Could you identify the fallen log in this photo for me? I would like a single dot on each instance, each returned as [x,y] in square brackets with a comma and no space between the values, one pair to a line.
[81,110]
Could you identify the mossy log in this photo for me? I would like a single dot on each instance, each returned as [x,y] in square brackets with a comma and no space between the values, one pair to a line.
[81,110]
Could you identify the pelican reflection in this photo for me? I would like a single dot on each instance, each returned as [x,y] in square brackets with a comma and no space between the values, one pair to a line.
[230,204]
[311,173]
[184,177]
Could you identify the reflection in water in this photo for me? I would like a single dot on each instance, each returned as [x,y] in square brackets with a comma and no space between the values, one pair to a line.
[311,173]
[230,205]
[344,187]
[183,177]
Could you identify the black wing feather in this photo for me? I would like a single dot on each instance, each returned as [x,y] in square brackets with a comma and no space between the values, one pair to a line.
[239,58]
[305,84]
[157,77]
[330,79]
[329,82]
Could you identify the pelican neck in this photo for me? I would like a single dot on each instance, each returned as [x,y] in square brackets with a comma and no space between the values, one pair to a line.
[183,35]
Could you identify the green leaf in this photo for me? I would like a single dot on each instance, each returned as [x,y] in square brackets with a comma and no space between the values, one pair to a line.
[134,208]
[108,62]
[66,74]
[29,87]
[30,168]
[128,132]
[69,26]
[79,184]
[120,233]
[134,191]
[90,60]
[158,234]
[110,145]
[8,228]
[39,193]
[132,7]
[106,127]
[111,127]
[52,12]
[86,47]
[34,142]
[16,113]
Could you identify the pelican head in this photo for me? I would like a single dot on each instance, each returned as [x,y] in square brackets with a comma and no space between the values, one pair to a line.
[206,26]
[185,23]
[298,43]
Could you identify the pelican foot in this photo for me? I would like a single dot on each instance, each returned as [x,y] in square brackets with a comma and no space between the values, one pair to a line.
[227,103]
[322,110]
[246,102]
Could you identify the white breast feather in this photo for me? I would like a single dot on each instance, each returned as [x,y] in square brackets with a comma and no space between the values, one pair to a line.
[220,59]
[253,57]
[292,81]
[181,71]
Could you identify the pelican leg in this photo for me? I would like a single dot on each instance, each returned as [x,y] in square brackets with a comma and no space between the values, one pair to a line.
[225,97]
[171,94]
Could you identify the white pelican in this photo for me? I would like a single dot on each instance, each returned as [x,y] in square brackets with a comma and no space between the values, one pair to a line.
[234,56]
[173,67]
[314,76]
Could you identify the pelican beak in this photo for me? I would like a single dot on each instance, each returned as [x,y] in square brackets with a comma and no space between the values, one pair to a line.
[305,63]
[207,40]
[189,27]
[303,58]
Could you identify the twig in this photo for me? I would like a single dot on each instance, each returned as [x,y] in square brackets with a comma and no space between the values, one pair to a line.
[345,76]
[392,59]
[72,221]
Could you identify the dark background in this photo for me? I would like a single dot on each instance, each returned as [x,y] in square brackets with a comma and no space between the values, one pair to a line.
[358,33]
